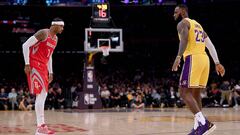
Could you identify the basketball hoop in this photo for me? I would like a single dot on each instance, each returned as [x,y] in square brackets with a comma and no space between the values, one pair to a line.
[105,50]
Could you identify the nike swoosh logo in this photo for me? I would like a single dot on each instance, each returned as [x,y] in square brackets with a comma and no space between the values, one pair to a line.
[35,49]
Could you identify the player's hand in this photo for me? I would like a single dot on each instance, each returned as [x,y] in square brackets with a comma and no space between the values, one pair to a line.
[27,69]
[220,69]
[176,63]
[50,78]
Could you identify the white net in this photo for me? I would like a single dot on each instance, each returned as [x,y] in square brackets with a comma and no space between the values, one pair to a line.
[105,50]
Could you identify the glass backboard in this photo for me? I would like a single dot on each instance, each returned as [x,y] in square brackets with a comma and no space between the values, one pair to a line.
[97,37]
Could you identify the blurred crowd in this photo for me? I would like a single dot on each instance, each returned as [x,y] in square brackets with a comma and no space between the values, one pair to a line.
[19,98]
[120,89]
[140,92]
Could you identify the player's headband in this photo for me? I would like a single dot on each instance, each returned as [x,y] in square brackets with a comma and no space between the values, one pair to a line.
[58,23]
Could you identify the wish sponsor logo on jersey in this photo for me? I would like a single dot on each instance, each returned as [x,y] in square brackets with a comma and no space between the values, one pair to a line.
[50,45]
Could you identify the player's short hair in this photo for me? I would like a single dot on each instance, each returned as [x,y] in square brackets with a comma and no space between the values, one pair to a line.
[57,19]
[183,6]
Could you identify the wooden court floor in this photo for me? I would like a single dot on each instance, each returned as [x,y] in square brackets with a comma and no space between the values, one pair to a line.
[171,121]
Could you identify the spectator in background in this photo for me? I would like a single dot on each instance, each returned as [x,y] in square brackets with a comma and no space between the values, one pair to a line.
[123,97]
[74,97]
[13,99]
[172,97]
[226,91]
[20,94]
[79,87]
[164,97]
[130,97]
[30,101]
[148,97]
[236,94]
[60,99]
[156,98]
[3,99]
[115,98]
[105,96]
[25,104]
[138,102]
[205,99]
[22,105]
[214,95]
[50,101]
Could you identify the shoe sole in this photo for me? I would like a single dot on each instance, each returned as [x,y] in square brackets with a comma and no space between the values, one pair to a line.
[210,130]
[43,134]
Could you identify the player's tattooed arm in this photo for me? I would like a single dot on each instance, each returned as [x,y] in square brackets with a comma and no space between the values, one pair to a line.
[182,29]
[205,35]
[41,34]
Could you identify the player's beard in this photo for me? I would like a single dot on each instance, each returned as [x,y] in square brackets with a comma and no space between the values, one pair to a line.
[179,19]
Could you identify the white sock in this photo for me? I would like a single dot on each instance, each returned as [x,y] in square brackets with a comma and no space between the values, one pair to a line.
[199,116]
[195,123]
[39,107]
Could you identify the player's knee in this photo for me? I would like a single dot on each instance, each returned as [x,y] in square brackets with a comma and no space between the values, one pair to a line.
[184,92]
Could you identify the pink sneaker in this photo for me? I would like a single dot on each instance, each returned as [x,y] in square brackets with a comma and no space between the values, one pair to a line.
[43,130]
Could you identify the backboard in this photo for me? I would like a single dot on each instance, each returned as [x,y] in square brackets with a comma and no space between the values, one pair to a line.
[97,37]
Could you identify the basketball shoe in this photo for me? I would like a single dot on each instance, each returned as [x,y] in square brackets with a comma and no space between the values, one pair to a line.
[43,130]
[193,132]
[205,129]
